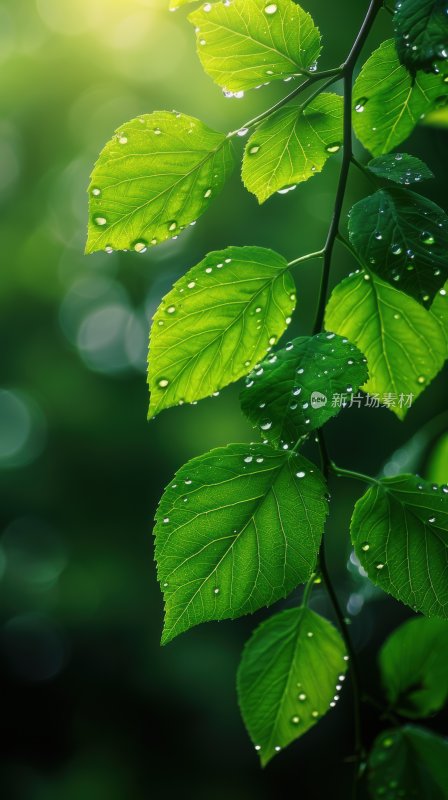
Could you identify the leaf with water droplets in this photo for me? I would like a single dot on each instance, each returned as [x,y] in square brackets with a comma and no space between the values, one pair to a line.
[295,387]
[216,323]
[287,678]
[400,168]
[439,310]
[403,238]
[421,32]
[408,762]
[413,667]
[389,101]
[246,43]
[405,345]
[399,530]
[242,532]
[292,146]
[159,173]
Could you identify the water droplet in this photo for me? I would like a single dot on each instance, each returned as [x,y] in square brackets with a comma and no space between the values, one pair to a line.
[360,104]
[295,720]
[123,139]
[207,193]
[300,474]
[333,148]
[248,459]
[163,383]
[254,149]
[207,7]
[171,309]
[172,226]
[380,565]
[216,591]
[101,221]
[432,519]
[421,379]
[141,246]
[257,747]
[277,748]
[302,697]
[427,238]
[266,425]
[315,714]
[310,634]
[191,285]
[96,192]
[270,9]
[166,520]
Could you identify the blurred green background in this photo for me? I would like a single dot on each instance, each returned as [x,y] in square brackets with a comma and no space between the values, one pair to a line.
[92,707]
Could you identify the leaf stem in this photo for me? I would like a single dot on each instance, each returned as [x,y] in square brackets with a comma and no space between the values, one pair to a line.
[307,257]
[332,74]
[321,89]
[348,473]
[308,589]
[333,233]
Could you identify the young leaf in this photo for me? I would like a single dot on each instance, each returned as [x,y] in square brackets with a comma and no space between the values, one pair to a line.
[421,32]
[292,392]
[399,530]
[404,344]
[237,529]
[246,43]
[400,168]
[408,762]
[389,101]
[413,667]
[288,678]
[156,175]
[216,323]
[403,238]
[292,146]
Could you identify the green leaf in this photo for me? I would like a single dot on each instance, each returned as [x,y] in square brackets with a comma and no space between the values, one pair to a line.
[216,323]
[408,762]
[389,101]
[292,146]
[237,529]
[246,43]
[289,678]
[421,32]
[404,344]
[437,468]
[399,530]
[403,238]
[156,175]
[439,310]
[291,393]
[437,117]
[413,667]
[400,168]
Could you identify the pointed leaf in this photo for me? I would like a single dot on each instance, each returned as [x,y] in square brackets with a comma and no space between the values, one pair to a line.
[217,322]
[404,344]
[292,146]
[400,168]
[292,392]
[156,175]
[399,530]
[237,529]
[410,761]
[288,678]
[246,43]
[413,667]
[389,101]
[403,238]
[421,32]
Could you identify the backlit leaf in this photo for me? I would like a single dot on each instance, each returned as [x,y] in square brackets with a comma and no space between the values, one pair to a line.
[156,175]
[217,321]
[389,101]
[403,238]
[421,32]
[292,146]
[408,762]
[237,529]
[288,678]
[292,391]
[245,43]
[413,664]
[404,344]
[400,168]
[399,530]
